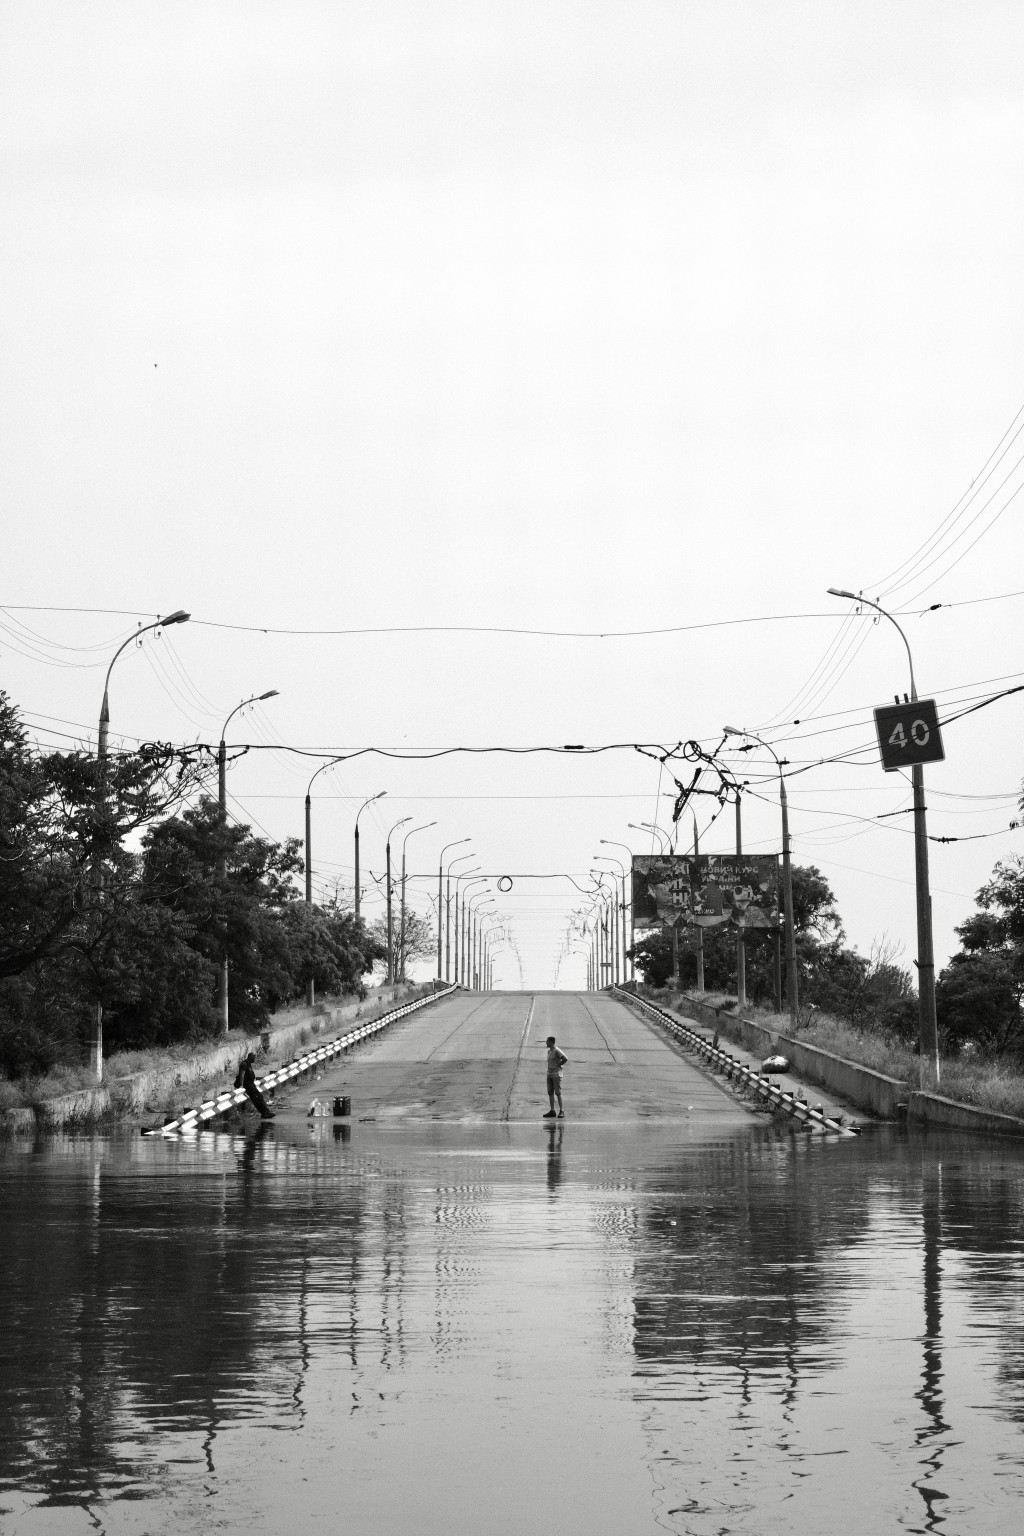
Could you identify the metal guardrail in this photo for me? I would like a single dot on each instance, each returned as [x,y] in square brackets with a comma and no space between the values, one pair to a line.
[769,1090]
[191,1119]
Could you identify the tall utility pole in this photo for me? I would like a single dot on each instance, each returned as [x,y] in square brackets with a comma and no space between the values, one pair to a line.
[390,916]
[741,953]
[440,896]
[448,916]
[179,616]
[222,862]
[460,953]
[401,926]
[309,859]
[792,973]
[700,930]
[927,1022]
[379,796]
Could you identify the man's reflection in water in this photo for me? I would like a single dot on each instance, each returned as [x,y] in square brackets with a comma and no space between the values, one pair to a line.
[555,1133]
[247,1161]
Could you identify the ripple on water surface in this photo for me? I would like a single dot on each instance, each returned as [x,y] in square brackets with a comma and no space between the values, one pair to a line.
[469,1328]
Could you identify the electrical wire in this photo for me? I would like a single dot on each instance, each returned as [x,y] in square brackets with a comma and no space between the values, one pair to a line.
[908,567]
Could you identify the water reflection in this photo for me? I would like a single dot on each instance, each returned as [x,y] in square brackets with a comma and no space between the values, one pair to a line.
[477,1326]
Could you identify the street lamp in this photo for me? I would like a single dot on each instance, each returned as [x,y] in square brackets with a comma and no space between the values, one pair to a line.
[607,859]
[477,879]
[391,928]
[792,977]
[309,855]
[495,933]
[649,826]
[179,616]
[608,843]
[440,894]
[469,959]
[448,913]
[401,925]
[222,863]
[613,954]
[378,796]
[927,1023]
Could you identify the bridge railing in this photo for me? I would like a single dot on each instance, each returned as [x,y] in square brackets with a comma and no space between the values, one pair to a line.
[228,1098]
[733,1069]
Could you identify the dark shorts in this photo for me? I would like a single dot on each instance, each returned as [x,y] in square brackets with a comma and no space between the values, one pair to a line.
[554,1082]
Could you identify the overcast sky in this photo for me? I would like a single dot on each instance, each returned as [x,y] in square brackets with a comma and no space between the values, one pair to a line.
[538,316]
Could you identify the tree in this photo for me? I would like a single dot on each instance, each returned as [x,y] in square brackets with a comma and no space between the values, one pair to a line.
[980,994]
[62,938]
[420,939]
[832,976]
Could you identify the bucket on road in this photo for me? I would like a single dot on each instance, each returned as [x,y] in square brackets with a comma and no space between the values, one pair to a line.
[342,1106]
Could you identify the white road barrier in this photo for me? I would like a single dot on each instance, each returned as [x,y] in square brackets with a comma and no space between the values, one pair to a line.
[769,1090]
[191,1119]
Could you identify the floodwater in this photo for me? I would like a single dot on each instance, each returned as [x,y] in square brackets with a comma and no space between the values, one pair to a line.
[475,1329]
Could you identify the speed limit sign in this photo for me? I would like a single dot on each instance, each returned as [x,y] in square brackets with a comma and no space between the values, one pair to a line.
[908,733]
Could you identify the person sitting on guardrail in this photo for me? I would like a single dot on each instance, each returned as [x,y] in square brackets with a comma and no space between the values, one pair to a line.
[247,1076]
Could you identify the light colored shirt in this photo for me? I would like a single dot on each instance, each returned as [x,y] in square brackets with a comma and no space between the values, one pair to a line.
[555,1060]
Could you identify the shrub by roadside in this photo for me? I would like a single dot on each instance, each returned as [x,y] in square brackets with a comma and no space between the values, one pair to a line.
[125,1065]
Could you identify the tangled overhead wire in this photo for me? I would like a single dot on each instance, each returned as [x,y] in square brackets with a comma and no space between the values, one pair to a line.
[691,751]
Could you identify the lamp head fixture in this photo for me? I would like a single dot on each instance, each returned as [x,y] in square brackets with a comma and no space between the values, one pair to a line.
[179,616]
[270,694]
[841,592]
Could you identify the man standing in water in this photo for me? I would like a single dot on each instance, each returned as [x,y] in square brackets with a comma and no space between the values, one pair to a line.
[556,1061]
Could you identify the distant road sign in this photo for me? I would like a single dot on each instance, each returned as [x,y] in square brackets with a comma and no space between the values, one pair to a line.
[908,734]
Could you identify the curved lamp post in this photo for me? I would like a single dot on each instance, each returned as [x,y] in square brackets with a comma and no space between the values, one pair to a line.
[473,934]
[792,977]
[606,858]
[222,863]
[927,1024]
[391,926]
[401,922]
[491,938]
[179,616]
[476,880]
[612,921]
[378,796]
[448,912]
[309,855]
[649,826]
[608,843]
[440,894]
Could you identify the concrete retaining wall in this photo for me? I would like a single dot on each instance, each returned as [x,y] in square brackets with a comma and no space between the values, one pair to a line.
[860,1085]
[932,1109]
[867,1089]
[130,1095]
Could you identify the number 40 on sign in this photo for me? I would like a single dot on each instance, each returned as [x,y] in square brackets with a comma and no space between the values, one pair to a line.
[908,734]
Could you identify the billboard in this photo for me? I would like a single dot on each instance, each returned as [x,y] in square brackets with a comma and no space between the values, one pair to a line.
[706,890]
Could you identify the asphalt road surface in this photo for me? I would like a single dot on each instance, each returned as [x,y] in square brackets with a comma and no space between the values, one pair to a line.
[481,1057]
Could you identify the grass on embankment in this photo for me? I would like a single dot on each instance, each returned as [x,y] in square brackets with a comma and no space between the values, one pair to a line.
[985,1081]
[33,1091]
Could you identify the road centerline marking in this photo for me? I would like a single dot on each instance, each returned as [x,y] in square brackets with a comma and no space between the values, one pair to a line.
[519,1056]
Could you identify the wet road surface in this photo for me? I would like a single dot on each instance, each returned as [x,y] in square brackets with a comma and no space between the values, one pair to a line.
[641,1319]
[482,1057]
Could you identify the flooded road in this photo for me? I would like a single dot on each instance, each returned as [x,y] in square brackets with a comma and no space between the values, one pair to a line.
[683,1322]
